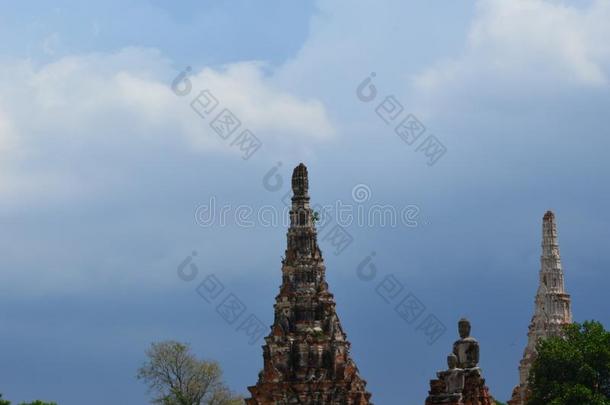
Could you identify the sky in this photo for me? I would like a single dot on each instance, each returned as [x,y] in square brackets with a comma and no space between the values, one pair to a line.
[112,175]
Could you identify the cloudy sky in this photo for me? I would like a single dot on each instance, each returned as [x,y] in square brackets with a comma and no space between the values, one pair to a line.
[111,177]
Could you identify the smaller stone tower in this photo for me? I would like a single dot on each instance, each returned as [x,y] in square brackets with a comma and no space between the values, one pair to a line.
[553,307]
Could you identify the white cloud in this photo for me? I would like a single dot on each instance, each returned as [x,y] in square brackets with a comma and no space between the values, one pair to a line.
[78,103]
[537,43]
[421,53]
[258,103]
[97,127]
[7,136]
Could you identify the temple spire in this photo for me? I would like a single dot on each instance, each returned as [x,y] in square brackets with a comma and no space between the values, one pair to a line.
[552,304]
[306,357]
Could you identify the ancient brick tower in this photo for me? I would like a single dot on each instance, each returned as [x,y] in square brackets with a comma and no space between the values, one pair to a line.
[306,355]
[553,309]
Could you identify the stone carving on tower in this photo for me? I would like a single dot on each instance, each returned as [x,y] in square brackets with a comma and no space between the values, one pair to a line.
[306,355]
[553,306]
[462,383]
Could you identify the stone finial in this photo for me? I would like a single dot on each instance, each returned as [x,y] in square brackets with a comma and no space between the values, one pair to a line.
[300,181]
[550,244]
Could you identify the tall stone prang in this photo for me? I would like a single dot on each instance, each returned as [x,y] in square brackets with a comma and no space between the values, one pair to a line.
[553,306]
[462,383]
[306,355]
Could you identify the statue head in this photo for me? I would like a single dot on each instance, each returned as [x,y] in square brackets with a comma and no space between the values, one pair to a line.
[464,328]
[452,361]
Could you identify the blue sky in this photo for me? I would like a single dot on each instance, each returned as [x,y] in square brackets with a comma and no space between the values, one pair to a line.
[103,168]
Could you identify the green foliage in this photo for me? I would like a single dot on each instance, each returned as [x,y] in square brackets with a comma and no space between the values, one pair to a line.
[38,402]
[500,403]
[573,370]
[177,377]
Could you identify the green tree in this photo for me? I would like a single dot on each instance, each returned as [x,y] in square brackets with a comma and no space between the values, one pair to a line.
[37,402]
[176,377]
[573,369]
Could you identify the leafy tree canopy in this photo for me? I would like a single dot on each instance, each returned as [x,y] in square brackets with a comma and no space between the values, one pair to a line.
[177,377]
[573,369]
[37,402]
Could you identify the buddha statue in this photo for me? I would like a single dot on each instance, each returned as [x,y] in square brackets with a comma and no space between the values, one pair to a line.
[466,349]
[454,376]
